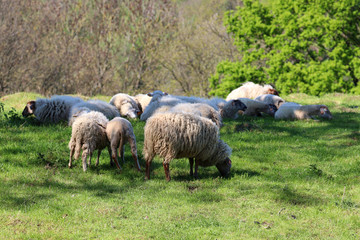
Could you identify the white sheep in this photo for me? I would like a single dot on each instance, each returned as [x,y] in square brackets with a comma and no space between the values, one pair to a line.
[126,105]
[271,99]
[120,131]
[52,110]
[89,134]
[290,110]
[184,135]
[200,109]
[255,108]
[107,109]
[251,90]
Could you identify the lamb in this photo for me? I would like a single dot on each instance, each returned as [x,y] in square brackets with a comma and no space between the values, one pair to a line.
[270,99]
[251,90]
[180,135]
[89,134]
[290,110]
[255,108]
[52,110]
[119,131]
[200,109]
[126,105]
[108,110]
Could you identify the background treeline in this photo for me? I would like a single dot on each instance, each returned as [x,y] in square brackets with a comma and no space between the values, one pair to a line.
[190,47]
[94,47]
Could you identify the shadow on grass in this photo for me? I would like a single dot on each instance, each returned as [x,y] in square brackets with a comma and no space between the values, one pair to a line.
[291,196]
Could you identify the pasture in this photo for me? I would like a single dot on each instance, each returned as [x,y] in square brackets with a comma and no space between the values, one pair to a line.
[289,180]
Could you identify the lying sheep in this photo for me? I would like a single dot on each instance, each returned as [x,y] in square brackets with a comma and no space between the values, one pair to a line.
[270,99]
[52,110]
[251,90]
[89,134]
[184,135]
[255,108]
[126,105]
[230,109]
[290,110]
[120,131]
[143,100]
[200,109]
[108,110]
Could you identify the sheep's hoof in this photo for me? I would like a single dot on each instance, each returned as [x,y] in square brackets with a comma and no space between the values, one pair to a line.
[70,166]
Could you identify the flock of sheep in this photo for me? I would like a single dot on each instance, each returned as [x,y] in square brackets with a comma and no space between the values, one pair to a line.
[176,126]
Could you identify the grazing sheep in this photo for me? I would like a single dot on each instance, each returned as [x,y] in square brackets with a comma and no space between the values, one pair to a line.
[290,110]
[126,105]
[120,131]
[255,108]
[270,99]
[251,90]
[107,109]
[89,134]
[181,135]
[200,109]
[52,110]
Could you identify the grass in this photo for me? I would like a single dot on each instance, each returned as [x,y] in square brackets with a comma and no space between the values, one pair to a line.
[289,180]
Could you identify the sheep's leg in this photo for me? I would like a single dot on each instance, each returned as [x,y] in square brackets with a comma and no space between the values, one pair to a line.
[191,161]
[110,153]
[134,153]
[98,158]
[167,170]
[147,168]
[72,150]
[89,162]
[84,158]
[114,156]
[121,148]
[196,168]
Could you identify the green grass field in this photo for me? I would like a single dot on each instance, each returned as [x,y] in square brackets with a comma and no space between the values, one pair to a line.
[289,180]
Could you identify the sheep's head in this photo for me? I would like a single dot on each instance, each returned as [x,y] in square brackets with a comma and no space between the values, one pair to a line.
[239,105]
[29,108]
[129,109]
[224,167]
[271,110]
[325,112]
[273,91]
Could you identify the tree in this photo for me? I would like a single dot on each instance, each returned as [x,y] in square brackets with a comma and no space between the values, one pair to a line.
[303,46]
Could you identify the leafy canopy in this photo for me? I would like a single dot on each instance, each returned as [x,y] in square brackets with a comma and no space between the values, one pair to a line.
[303,46]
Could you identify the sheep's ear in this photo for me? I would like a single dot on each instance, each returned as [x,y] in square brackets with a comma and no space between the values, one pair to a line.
[150,94]
[323,110]
[165,93]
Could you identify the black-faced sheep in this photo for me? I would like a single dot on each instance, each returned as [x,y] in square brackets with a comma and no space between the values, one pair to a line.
[120,131]
[126,105]
[52,110]
[183,135]
[251,90]
[271,99]
[89,134]
[255,108]
[292,111]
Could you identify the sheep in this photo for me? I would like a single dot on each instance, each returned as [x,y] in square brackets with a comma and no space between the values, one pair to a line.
[159,101]
[180,135]
[255,108]
[52,110]
[119,131]
[126,105]
[270,99]
[89,134]
[199,109]
[227,109]
[290,110]
[251,90]
[108,110]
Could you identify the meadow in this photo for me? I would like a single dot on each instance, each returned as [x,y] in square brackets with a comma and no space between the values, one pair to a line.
[289,180]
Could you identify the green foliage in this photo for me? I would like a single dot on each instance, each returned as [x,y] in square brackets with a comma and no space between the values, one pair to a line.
[289,180]
[300,46]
